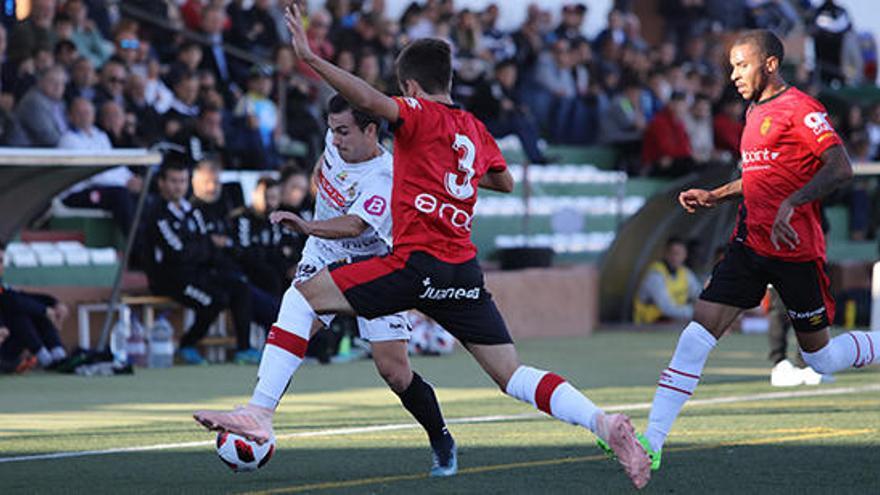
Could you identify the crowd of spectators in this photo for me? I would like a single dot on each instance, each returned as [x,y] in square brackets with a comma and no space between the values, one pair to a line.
[543,81]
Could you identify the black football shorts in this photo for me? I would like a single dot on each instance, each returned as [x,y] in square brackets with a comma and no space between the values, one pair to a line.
[741,278]
[453,294]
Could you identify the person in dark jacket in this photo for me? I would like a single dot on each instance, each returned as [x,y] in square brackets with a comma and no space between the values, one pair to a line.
[496,104]
[187,265]
[32,321]
[268,253]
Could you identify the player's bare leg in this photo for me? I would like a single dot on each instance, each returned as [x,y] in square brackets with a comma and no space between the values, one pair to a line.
[285,349]
[417,396]
[555,396]
[678,381]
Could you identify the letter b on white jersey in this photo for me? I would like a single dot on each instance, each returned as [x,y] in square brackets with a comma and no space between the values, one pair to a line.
[467,152]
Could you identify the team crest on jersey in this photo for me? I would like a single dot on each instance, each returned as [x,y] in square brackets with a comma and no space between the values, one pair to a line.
[765,126]
[341,176]
[352,191]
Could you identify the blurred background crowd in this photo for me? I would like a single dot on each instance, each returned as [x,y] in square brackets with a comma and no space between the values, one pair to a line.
[221,73]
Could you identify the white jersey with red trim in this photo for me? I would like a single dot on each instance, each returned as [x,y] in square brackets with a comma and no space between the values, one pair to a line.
[362,189]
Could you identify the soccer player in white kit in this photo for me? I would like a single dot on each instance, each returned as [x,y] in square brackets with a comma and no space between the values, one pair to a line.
[353,220]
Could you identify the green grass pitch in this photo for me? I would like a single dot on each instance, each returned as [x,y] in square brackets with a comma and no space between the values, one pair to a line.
[734,438]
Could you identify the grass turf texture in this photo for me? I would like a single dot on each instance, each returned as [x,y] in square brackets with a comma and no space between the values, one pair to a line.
[816,444]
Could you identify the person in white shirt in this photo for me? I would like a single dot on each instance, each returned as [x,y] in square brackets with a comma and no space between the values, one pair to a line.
[113,190]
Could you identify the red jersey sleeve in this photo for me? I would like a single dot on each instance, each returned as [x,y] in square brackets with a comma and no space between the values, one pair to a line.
[495,161]
[810,124]
[412,112]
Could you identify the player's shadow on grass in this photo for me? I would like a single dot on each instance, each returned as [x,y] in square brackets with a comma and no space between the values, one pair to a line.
[788,468]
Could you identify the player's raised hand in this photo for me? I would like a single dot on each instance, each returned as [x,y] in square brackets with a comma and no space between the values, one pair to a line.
[289,220]
[692,199]
[298,38]
[782,233]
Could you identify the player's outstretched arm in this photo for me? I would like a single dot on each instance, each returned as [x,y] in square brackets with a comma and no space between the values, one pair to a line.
[355,90]
[835,172]
[497,181]
[341,227]
[692,199]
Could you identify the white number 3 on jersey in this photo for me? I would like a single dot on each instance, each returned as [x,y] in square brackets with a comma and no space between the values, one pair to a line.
[466,151]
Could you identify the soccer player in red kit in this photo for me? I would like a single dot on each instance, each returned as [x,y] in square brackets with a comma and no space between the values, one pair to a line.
[791,158]
[442,154]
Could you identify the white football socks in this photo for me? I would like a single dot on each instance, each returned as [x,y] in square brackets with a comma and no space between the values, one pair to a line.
[849,350]
[553,395]
[678,381]
[285,349]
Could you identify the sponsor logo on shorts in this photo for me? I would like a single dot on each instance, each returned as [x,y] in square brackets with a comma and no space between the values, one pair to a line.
[375,206]
[448,293]
[815,317]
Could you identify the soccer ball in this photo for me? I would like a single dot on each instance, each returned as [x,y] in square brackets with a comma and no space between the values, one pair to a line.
[428,337]
[243,455]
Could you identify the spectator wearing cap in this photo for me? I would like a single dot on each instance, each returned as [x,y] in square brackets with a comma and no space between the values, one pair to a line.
[41,111]
[666,148]
[113,190]
[496,104]
[257,118]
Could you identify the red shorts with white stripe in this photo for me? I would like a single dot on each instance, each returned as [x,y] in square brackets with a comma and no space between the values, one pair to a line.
[453,294]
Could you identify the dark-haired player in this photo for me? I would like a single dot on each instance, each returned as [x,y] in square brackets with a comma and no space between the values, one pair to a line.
[441,156]
[791,157]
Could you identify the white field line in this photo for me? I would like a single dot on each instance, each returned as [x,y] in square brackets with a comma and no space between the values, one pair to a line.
[821,392]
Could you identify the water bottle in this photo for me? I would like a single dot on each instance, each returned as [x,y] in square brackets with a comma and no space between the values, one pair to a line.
[137,345]
[161,349]
[119,343]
